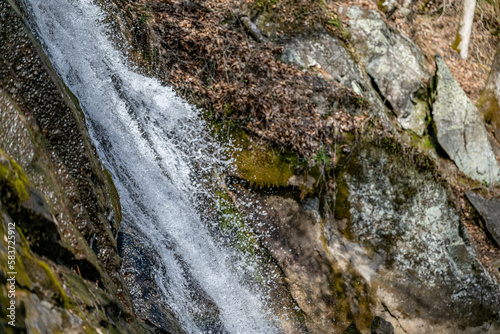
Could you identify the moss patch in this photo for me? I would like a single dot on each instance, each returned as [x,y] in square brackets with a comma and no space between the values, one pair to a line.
[292,17]
[115,198]
[342,205]
[232,222]
[51,283]
[490,110]
[261,165]
[13,177]
[456,44]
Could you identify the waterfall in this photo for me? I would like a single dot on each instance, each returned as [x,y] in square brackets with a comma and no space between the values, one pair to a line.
[149,139]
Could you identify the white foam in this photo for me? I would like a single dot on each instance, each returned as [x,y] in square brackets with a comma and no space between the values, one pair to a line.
[148,138]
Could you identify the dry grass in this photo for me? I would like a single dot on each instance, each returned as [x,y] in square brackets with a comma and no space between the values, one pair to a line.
[434,31]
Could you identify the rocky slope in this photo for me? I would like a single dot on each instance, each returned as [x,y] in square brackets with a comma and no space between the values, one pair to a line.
[374,218]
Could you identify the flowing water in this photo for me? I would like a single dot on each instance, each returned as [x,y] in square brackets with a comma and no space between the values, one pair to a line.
[150,140]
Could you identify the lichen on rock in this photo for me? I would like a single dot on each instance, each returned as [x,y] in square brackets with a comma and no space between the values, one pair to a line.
[460,131]
[412,240]
[394,64]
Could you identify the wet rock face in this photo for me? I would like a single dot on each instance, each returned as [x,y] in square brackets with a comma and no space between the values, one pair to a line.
[395,65]
[32,89]
[460,130]
[407,239]
[138,269]
[381,326]
[330,296]
[67,257]
[352,329]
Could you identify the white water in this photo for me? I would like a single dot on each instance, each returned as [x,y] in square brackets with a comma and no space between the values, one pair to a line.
[148,139]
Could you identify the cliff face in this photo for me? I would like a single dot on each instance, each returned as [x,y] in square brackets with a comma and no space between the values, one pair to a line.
[59,197]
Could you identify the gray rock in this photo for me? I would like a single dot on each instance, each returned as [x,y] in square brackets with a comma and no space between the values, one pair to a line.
[293,234]
[408,240]
[395,65]
[460,130]
[43,317]
[252,29]
[381,326]
[496,264]
[324,51]
[490,211]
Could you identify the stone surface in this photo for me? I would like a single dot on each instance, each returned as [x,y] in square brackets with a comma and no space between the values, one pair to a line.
[403,235]
[490,211]
[325,52]
[330,296]
[139,270]
[322,54]
[459,129]
[395,65]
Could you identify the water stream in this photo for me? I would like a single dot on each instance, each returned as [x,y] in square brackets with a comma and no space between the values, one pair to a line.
[150,141]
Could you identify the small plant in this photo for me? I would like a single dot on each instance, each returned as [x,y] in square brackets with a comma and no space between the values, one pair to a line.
[322,157]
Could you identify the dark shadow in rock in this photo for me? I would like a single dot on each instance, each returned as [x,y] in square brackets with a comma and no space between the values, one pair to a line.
[489,211]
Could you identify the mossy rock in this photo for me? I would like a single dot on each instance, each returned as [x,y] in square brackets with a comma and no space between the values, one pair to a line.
[13,178]
[232,222]
[50,282]
[262,165]
[115,198]
[489,109]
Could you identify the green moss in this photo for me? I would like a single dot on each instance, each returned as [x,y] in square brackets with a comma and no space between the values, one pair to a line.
[14,178]
[489,108]
[232,221]
[423,144]
[456,44]
[115,198]
[52,283]
[342,206]
[23,268]
[381,7]
[365,295]
[113,330]
[78,288]
[262,165]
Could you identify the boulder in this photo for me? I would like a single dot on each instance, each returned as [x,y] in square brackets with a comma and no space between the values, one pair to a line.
[330,296]
[394,64]
[404,235]
[489,211]
[459,128]
[325,53]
